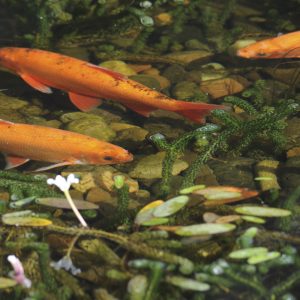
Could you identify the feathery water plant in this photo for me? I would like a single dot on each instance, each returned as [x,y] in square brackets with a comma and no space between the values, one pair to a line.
[264,122]
[176,149]
[268,123]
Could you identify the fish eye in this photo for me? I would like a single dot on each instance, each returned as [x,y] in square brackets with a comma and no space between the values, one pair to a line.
[108,158]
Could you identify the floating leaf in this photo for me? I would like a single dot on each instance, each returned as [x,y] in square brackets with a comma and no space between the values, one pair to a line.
[63,203]
[218,195]
[7,282]
[227,219]
[188,284]
[170,207]
[155,221]
[254,219]
[191,189]
[253,260]
[146,213]
[24,218]
[204,229]
[262,211]
[248,252]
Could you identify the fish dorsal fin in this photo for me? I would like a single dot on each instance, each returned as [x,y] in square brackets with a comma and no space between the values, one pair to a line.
[141,109]
[14,161]
[113,74]
[84,103]
[4,122]
[36,84]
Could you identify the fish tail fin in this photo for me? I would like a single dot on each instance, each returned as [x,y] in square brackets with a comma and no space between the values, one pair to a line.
[196,112]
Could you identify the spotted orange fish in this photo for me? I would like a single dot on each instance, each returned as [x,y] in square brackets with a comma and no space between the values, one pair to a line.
[87,84]
[23,142]
[282,46]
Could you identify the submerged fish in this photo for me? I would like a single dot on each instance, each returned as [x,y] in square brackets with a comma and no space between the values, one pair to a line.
[22,142]
[87,84]
[282,46]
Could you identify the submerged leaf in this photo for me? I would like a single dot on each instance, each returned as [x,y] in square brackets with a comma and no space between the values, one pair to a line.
[170,207]
[254,219]
[204,229]
[191,189]
[248,252]
[63,203]
[155,221]
[188,284]
[253,260]
[7,282]
[218,195]
[26,221]
[146,213]
[262,211]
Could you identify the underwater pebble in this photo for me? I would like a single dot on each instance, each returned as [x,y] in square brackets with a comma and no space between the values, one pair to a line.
[189,56]
[137,287]
[147,80]
[11,103]
[175,73]
[98,195]
[163,19]
[104,178]
[150,167]
[185,90]
[118,66]
[86,181]
[261,211]
[93,127]
[238,45]
[225,86]
[194,44]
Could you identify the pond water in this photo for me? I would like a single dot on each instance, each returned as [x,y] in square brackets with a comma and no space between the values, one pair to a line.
[143,155]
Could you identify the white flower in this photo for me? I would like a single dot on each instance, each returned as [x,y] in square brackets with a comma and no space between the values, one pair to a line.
[18,274]
[62,183]
[67,264]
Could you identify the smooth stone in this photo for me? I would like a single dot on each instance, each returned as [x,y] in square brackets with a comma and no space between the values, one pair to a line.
[225,86]
[92,127]
[187,57]
[104,178]
[150,167]
[147,80]
[118,66]
[175,73]
[185,90]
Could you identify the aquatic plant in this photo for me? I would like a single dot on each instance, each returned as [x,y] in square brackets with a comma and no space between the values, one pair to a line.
[122,190]
[264,123]
[21,185]
[176,149]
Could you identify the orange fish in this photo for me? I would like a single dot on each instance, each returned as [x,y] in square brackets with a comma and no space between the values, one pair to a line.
[282,46]
[22,142]
[87,84]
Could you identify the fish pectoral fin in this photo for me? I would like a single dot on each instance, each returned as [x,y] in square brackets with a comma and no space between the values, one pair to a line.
[84,103]
[14,161]
[36,84]
[141,109]
[61,164]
